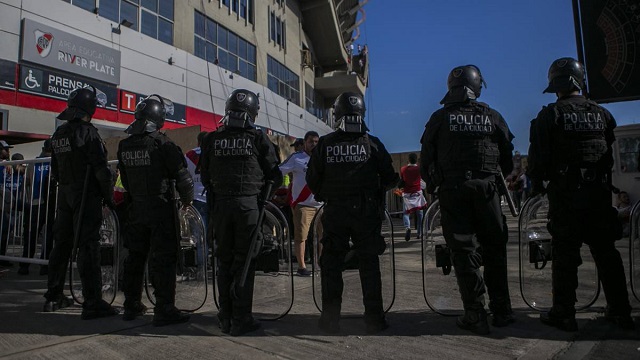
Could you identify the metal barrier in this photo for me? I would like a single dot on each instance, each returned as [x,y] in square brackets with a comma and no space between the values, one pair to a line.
[634,250]
[27,204]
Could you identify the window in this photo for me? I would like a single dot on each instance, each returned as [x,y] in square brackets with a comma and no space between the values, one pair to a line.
[217,44]
[151,17]
[629,154]
[277,28]
[89,5]
[283,81]
[313,102]
[244,8]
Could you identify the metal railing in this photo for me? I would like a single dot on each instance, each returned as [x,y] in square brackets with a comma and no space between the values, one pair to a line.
[27,204]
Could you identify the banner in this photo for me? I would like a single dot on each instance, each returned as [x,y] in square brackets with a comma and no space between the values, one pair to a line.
[58,85]
[48,46]
[611,43]
[7,74]
[176,113]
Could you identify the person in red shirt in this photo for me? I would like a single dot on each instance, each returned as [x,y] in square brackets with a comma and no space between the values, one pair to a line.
[412,197]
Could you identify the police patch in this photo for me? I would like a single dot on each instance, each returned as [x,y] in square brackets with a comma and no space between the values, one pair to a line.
[561,63]
[241,96]
[457,72]
[353,100]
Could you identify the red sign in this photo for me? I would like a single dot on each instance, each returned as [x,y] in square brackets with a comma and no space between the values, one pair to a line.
[128,101]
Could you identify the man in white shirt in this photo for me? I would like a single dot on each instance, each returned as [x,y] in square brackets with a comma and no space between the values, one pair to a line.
[200,198]
[303,203]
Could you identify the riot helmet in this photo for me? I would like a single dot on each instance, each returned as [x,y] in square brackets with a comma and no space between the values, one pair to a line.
[565,75]
[349,110]
[81,102]
[150,114]
[467,76]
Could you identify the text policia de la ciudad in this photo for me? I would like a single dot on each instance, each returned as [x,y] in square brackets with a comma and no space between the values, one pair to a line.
[133,158]
[470,123]
[232,147]
[583,121]
[347,153]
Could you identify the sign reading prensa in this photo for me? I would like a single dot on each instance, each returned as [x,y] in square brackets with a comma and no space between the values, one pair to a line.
[58,85]
[44,45]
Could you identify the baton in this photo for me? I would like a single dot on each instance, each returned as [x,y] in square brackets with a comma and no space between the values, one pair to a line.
[502,190]
[254,240]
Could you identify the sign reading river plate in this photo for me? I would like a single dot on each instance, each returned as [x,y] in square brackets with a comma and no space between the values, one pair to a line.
[48,46]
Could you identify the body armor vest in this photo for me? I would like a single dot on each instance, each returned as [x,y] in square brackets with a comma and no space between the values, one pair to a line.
[67,143]
[234,168]
[351,167]
[465,143]
[580,133]
[143,161]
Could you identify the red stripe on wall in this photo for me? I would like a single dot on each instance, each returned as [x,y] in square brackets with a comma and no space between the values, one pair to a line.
[7,97]
[207,121]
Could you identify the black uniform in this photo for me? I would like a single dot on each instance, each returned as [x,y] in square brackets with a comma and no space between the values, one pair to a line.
[236,162]
[77,148]
[464,145]
[148,161]
[570,147]
[350,172]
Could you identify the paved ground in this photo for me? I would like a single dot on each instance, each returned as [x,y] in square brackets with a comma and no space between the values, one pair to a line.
[415,333]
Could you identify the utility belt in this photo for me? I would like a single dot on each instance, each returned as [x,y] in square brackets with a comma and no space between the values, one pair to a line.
[579,176]
[354,199]
[463,175]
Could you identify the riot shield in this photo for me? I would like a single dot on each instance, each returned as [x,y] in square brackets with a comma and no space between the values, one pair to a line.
[273,284]
[109,256]
[535,257]
[352,293]
[439,284]
[634,250]
[191,269]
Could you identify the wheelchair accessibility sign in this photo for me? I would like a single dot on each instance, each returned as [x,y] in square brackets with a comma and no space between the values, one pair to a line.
[32,79]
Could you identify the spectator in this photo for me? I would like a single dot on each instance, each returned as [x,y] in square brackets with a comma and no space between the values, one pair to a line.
[298,145]
[39,210]
[200,199]
[304,205]
[5,201]
[412,198]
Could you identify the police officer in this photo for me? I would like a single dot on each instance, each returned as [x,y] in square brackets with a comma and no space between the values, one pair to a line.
[350,171]
[79,164]
[571,148]
[148,162]
[464,145]
[237,159]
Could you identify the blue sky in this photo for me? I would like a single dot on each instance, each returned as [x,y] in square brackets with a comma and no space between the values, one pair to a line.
[414,44]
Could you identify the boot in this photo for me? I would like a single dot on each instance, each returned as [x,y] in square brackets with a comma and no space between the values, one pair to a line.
[243,326]
[474,321]
[375,324]
[565,323]
[168,315]
[625,322]
[133,311]
[97,309]
[330,326]
[224,323]
[60,303]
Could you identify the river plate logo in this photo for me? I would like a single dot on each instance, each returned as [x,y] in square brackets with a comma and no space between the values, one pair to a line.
[43,42]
